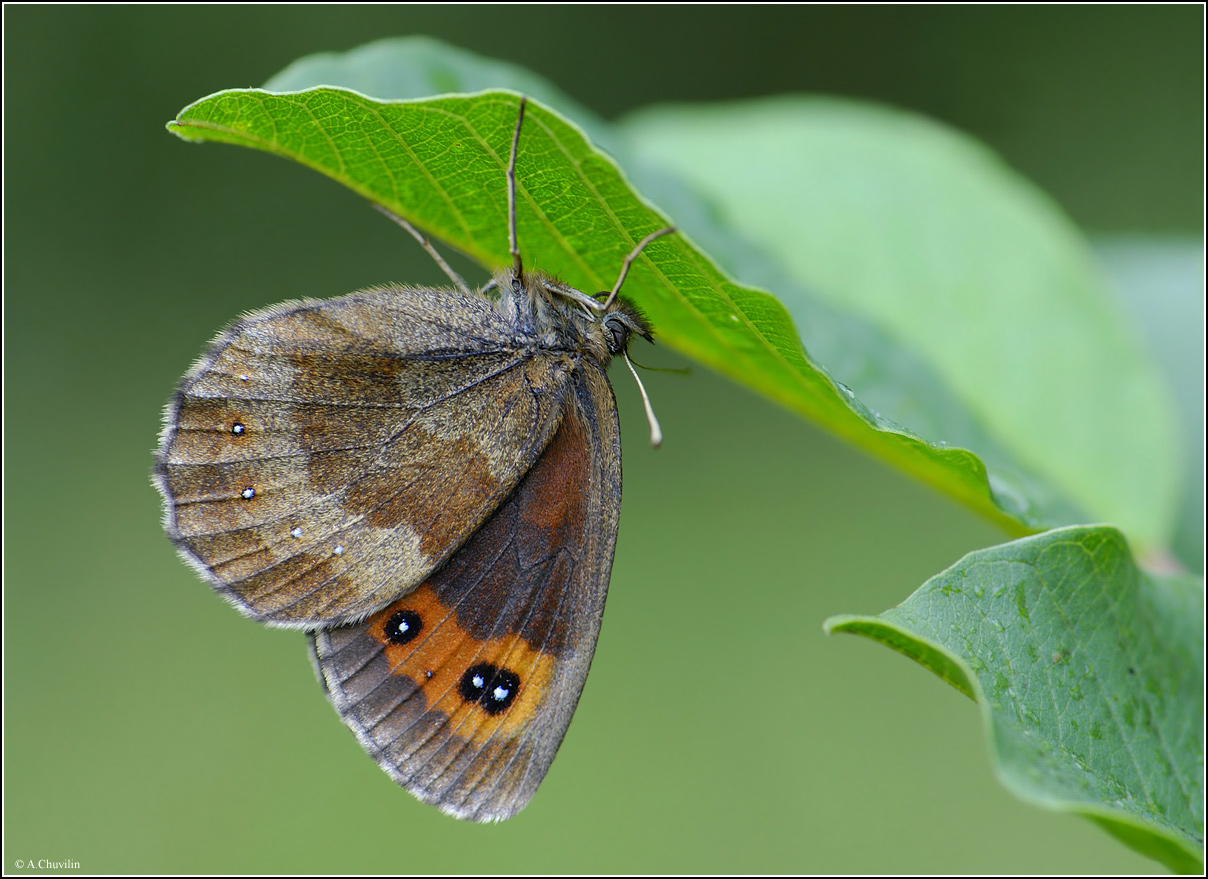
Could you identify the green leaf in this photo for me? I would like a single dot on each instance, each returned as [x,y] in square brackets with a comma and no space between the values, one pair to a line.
[1089,675]
[944,289]
[409,68]
[1159,282]
[440,164]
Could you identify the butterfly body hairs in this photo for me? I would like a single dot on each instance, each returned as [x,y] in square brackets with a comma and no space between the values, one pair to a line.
[428,482]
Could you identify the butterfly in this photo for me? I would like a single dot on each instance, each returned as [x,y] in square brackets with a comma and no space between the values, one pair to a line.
[428,483]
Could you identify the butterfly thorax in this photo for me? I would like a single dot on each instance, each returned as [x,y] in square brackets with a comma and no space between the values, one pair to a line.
[560,319]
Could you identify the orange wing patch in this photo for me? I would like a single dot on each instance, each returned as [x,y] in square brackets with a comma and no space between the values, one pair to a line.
[487,688]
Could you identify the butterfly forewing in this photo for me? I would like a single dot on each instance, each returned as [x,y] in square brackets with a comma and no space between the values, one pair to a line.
[463,689]
[323,457]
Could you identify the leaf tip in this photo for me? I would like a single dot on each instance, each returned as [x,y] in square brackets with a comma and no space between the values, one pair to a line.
[177,127]
[838,623]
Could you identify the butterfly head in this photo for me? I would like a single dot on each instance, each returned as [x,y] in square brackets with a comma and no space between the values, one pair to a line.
[562,317]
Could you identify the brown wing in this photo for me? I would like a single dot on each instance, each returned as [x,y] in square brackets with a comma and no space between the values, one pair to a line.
[463,690]
[323,457]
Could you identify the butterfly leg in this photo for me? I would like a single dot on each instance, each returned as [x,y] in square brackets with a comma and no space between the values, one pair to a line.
[633,254]
[427,245]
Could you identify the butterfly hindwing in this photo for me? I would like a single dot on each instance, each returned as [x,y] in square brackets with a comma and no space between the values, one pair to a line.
[323,457]
[463,689]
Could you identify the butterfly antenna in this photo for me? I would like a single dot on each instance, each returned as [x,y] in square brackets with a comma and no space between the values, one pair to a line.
[427,245]
[633,254]
[517,265]
[656,432]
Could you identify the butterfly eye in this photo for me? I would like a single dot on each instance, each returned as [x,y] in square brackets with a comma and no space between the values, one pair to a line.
[618,334]
[403,627]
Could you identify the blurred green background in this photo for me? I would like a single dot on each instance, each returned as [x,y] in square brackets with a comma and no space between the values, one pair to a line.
[148,728]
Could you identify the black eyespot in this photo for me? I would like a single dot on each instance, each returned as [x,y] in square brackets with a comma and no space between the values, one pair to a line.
[403,626]
[248,493]
[237,429]
[494,689]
